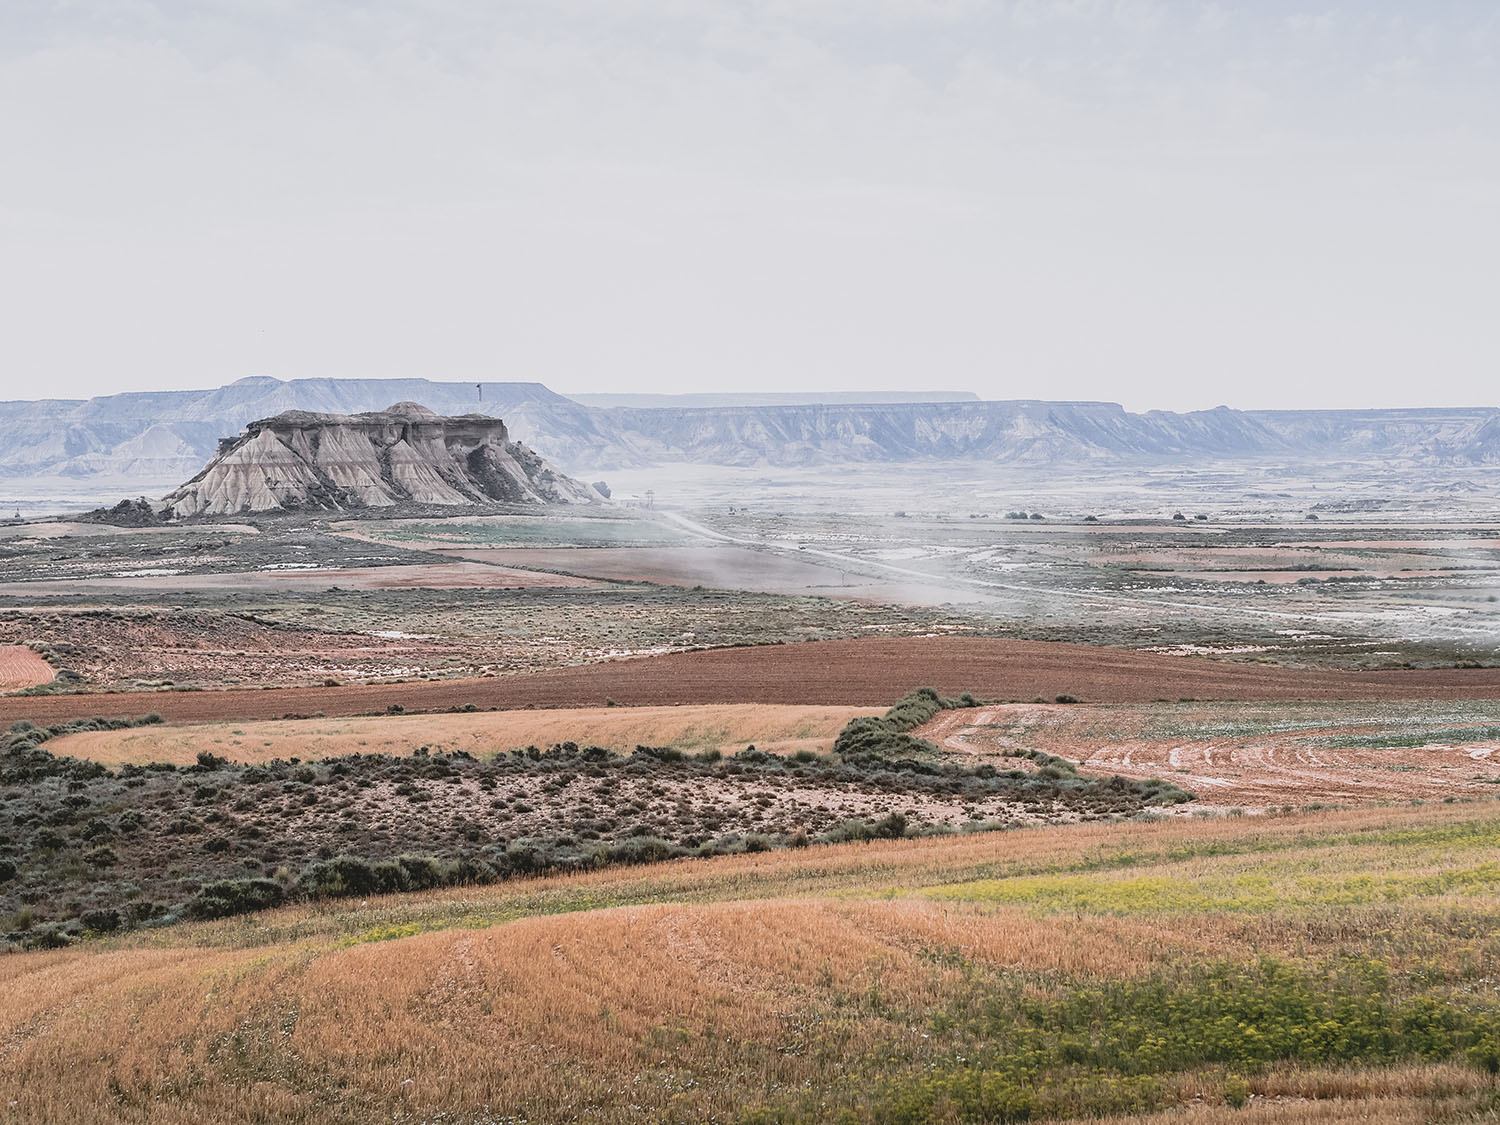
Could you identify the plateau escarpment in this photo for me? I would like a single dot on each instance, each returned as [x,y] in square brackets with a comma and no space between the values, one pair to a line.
[403,455]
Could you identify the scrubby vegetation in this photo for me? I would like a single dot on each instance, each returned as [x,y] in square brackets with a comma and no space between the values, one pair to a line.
[889,735]
[84,848]
[1121,1046]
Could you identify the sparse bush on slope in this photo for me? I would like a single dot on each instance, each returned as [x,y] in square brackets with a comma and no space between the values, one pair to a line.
[84,848]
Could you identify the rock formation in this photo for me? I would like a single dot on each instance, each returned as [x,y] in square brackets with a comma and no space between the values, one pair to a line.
[405,454]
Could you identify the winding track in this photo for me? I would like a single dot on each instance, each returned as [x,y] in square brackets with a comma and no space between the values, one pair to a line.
[869,672]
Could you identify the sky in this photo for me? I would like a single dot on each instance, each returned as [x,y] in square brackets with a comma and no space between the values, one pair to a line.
[1167,204]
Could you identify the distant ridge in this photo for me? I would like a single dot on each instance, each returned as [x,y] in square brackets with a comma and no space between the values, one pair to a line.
[770,398]
[145,442]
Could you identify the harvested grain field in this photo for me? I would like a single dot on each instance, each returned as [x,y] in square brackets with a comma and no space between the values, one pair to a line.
[1252,755]
[859,673]
[692,991]
[20,668]
[728,727]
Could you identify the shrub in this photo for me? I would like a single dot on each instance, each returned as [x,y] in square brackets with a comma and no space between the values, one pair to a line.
[1236,1091]
[101,921]
[887,735]
[235,896]
[847,831]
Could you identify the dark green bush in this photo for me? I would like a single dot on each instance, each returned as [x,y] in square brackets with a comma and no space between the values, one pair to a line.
[235,896]
[101,921]
[888,735]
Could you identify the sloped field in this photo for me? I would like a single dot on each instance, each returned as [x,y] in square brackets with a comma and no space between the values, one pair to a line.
[1331,967]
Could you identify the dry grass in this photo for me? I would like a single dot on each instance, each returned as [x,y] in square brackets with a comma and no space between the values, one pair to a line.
[727,727]
[687,992]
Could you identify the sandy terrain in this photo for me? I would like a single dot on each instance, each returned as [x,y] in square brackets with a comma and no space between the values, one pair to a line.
[723,567]
[1288,577]
[436,576]
[69,529]
[728,728]
[864,673]
[1250,757]
[20,667]
[1475,544]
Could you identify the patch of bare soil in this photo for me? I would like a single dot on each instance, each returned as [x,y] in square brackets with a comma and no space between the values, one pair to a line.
[1289,577]
[72,529]
[720,567]
[430,576]
[20,667]
[128,648]
[1227,764]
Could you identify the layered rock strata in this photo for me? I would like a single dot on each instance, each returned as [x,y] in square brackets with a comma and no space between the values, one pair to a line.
[405,454]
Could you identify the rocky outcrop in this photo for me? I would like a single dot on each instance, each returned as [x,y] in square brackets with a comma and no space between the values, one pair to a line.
[405,454]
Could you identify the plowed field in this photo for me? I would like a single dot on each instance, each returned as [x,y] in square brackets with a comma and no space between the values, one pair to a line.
[22,668]
[859,673]
[1252,756]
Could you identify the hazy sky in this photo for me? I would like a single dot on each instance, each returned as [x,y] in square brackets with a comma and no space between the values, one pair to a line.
[1168,204]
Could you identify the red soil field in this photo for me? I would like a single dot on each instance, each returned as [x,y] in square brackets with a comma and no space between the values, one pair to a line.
[870,672]
[22,668]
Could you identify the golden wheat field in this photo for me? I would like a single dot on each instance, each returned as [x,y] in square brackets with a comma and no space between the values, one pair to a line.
[1324,966]
[731,726]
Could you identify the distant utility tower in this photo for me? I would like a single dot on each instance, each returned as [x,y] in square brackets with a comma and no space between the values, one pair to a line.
[650,498]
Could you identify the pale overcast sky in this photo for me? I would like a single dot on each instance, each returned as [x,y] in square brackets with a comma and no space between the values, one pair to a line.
[1167,204]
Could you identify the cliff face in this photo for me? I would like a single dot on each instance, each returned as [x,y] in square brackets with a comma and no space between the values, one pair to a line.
[405,454]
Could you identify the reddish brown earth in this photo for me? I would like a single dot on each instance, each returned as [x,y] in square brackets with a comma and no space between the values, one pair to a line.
[868,672]
[20,667]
